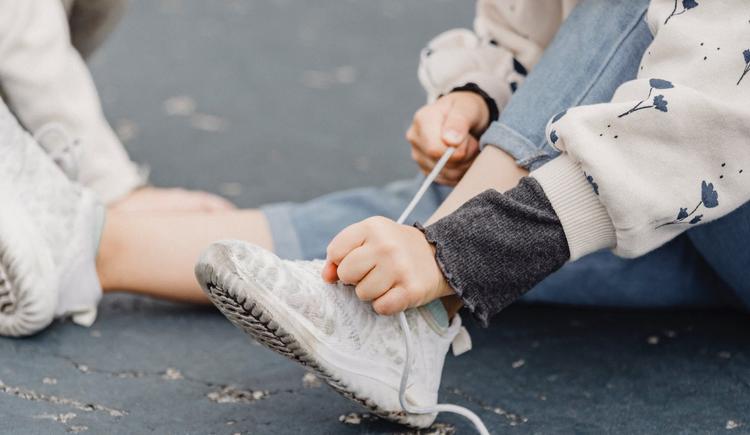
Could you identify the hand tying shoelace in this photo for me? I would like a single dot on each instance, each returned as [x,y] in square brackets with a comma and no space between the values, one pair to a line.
[440,407]
[289,308]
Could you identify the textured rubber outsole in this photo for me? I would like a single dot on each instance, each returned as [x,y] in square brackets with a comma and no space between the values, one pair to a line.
[250,316]
[7,294]
[27,296]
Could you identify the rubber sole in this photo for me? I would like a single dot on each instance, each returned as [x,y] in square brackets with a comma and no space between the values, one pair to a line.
[7,295]
[223,289]
[27,295]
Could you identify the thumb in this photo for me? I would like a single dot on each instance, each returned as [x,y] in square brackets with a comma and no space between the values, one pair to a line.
[455,129]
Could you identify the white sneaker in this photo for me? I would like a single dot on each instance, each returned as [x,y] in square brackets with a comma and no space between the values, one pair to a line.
[49,234]
[289,308]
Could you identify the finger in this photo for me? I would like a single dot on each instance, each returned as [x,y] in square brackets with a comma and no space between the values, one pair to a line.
[412,134]
[466,114]
[356,264]
[393,301]
[428,124]
[329,273]
[470,107]
[347,240]
[471,147]
[446,181]
[455,129]
[424,162]
[374,284]
[455,133]
[466,152]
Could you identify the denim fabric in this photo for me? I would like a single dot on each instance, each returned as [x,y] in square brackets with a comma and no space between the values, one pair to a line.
[301,231]
[598,48]
[724,245]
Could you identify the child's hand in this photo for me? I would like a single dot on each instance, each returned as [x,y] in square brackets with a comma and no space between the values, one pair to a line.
[448,122]
[391,265]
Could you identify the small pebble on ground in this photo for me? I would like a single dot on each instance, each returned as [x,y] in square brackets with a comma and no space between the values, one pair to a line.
[172,375]
[311,381]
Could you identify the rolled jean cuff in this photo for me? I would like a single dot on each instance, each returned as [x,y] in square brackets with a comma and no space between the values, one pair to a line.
[526,154]
[286,243]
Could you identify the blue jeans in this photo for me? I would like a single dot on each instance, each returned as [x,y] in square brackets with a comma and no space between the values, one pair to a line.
[598,48]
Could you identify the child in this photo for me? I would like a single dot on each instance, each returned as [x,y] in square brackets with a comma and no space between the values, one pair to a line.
[49,89]
[663,155]
[59,90]
[150,238]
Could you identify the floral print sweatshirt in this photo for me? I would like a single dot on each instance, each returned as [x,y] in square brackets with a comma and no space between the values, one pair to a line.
[44,79]
[671,148]
[670,151]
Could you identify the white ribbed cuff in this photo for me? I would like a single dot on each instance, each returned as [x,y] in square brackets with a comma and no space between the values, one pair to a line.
[586,223]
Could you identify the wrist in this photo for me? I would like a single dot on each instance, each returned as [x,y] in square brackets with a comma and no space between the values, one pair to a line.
[442,287]
[486,104]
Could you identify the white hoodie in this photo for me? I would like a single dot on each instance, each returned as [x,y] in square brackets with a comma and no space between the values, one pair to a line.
[672,148]
[45,80]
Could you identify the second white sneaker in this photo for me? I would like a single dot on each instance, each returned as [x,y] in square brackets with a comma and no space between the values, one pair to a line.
[49,234]
[288,307]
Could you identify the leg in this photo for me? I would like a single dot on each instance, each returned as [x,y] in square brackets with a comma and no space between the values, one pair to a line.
[571,72]
[673,276]
[597,48]
[600,279]
[302,231]
[154,253]
[723,244]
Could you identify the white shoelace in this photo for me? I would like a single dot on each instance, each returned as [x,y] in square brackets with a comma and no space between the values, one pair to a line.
[440,407]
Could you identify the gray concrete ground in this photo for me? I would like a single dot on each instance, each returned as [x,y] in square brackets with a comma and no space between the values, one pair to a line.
[284,100]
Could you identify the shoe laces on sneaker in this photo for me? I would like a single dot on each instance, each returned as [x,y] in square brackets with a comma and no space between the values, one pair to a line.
[441,407]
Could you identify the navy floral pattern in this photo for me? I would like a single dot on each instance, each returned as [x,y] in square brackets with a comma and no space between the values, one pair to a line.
[553,134]
[709,199]
[591,181]
[659,102]
[686,6]
[553,137]
[746,56]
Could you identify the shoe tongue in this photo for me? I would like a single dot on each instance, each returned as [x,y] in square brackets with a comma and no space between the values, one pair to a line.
[436,310]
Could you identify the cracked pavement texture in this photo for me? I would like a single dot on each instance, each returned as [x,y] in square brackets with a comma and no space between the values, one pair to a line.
[243,98]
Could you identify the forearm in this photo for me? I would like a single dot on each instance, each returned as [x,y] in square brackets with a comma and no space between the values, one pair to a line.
[494,247]
[498,246]
[493,169]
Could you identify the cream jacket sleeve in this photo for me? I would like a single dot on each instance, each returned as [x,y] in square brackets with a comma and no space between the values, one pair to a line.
[45,80]
[672,149]
[508,38]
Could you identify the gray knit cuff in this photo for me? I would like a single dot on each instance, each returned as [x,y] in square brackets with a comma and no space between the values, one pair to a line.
[496,247]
